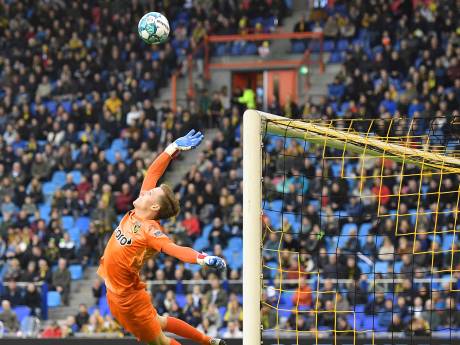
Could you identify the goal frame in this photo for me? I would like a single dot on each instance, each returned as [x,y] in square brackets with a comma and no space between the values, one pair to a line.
[255,124]
[252,226]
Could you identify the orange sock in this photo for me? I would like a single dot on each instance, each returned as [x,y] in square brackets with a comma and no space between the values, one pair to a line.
[183,329]
[174,342]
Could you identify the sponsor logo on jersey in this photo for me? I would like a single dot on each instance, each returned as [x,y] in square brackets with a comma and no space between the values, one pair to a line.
[155,232]
[122,238]
[136,227]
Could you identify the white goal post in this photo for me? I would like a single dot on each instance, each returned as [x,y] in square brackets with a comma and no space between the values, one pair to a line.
[252,226]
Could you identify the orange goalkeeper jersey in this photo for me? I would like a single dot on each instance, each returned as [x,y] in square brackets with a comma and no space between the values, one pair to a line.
[131,244]
[135,240]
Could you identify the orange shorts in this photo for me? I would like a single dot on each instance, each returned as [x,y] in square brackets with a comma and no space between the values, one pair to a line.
[136,314]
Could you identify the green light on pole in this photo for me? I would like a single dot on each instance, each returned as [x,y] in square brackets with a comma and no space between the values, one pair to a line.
[303,70]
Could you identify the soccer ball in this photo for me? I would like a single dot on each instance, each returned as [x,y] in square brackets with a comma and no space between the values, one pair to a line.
[153,28]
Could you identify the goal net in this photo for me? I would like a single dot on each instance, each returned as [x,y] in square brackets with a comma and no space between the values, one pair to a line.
[350,230]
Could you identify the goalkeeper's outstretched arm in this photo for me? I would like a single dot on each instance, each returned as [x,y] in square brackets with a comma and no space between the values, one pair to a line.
[189,255]
[158,167]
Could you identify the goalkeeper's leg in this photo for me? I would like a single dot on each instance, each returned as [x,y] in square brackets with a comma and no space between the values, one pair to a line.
[183,329]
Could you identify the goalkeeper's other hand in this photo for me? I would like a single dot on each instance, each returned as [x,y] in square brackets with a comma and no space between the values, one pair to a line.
[212,261]
[191,140]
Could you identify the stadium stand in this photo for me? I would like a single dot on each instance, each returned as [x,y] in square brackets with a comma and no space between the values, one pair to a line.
[67,88]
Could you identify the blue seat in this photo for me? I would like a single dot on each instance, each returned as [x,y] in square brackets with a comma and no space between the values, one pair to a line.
[276,205]
[250,49]
[235,243]
[59,178]
[67,222]
[74,234]
[181,300]
[221,49]
[44,210]
[76,174]
[67,105]
[53,299]
[51,106]
[207,230]
[329,45]
[364,229]
[335,57]
[342,45]
[22,312]
[347,228]
[381,267]
[447,242]
[118,144]
[82,223]
[48,189]
[298,47]
[397,266]
[104,306]
[201,244]
[76,272]
[275,218]
[222,311]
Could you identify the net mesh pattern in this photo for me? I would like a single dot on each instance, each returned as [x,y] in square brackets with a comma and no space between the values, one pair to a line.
[360,229]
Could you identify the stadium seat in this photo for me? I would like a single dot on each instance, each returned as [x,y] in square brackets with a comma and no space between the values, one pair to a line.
[329,45]
[59,178]
[22,312]
[82,223]
[45,210]
[74,234]
[235,243]
[104,306]
[67,222]
[250,49]
[48,190]
[364,229]
[298,47]
[181,300]
[381,267]
[348,227]
[397,266]
[53,299]
[76,272]
[342,45]
[276,205]
[76,175]
[201,244]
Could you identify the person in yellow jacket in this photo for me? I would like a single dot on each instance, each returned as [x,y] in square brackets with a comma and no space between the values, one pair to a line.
[248,98]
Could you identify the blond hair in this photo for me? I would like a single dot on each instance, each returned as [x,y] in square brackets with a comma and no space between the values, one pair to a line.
[169,205]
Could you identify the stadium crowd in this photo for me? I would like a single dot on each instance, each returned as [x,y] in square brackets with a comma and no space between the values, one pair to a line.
[411,71]
[79,127]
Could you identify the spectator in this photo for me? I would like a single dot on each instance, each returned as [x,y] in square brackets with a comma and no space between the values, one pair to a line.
[233,331]
[234,310]
[9,318]
[33,300]
[207,328]
[216,295]
[13,294]
[61,280]
[52,331]
[303,294]
[82,317]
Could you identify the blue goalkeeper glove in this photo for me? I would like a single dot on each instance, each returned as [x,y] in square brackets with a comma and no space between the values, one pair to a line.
[191,140]
[212,261]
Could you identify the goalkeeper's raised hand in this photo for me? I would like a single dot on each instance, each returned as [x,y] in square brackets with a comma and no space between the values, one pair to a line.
[191,140]
[211,261]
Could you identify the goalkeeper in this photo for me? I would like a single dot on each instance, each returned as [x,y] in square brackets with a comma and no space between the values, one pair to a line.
[140,236]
